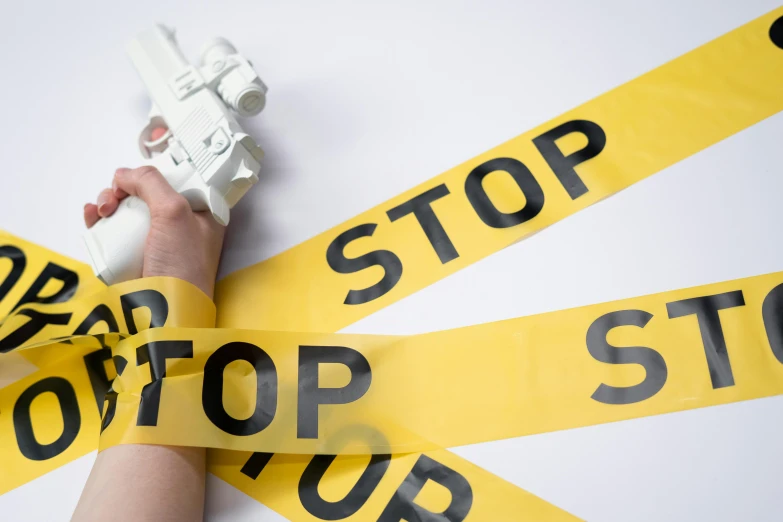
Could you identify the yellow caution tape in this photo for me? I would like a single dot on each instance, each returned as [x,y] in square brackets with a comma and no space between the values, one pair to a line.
[59,424]
[342,394]
[53,417]
[32,274]
[513,190]
[459,217]
[64,298]
[650,123]
[45,423]
[379,487]
[286,392]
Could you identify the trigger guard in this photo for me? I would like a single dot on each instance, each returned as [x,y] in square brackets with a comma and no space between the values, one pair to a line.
[148,146]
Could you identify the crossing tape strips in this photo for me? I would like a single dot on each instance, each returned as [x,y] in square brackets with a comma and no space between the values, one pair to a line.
[305,393]
[289,392]
[387,404]
[514,190]
[649,123]
[53,413]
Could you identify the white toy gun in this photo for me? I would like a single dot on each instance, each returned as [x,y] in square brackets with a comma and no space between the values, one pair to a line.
[203,154]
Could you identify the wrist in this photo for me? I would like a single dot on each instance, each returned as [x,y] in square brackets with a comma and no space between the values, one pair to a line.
[205,284]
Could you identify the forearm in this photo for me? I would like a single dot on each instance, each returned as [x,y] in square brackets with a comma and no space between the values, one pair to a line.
[140,483]
[134,482]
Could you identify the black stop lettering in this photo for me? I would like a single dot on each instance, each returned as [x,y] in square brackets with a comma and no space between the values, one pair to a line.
[256,464]
[421,208]
[38,321]
[18,264]
[772,313]
[315,504]
[96,371]
[156,353]
[402,507]
[563,166]
[486,210]
[391,264]
[776,32]
[311,395]
[99,314]
[706,311]
[69,279]
[23,423]
[152,299]
[120,363]
[266,389]
[353,501]
[601,350]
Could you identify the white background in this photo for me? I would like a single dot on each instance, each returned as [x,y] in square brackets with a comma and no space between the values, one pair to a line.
[367,100]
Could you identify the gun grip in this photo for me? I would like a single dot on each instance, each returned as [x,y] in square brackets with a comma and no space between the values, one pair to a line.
[116,243]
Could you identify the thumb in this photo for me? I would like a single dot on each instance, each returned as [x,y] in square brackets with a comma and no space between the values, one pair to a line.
[149,184]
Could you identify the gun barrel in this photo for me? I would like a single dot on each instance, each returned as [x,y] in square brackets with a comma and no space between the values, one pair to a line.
[158,60]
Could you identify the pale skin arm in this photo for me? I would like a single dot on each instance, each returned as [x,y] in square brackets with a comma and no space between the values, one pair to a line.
[138,482]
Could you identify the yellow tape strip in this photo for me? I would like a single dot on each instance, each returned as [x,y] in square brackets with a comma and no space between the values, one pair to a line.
[648,125]
[309,393]
[66,427]
[513,190]
[64,298]
[59,388]
[32,274]
[667,352]
[381,487]
[47,420]
[125,308]
[52,417]
[330,393]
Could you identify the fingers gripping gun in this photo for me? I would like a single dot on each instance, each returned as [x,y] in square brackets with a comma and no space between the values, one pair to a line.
[203,154]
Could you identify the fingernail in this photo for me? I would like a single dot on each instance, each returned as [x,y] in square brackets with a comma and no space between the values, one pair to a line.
[118,192]
[102,202]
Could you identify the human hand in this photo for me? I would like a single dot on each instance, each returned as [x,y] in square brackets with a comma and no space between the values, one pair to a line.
[181,243]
